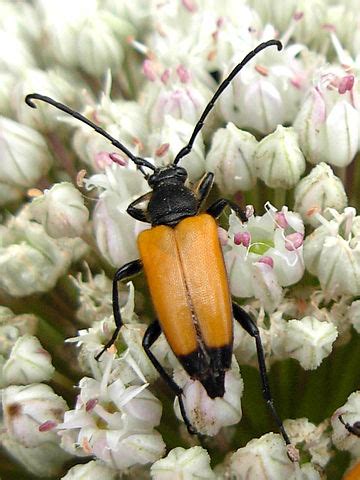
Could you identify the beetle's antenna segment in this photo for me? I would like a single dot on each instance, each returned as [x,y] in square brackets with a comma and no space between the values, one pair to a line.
[187,149]
[139,161]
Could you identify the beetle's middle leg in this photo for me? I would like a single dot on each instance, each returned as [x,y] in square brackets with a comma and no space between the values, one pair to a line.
[216,209]
[127,270]
[246,322]
[151,335]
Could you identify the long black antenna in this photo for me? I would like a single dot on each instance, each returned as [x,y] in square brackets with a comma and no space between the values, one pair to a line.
[187,149]
[139,161]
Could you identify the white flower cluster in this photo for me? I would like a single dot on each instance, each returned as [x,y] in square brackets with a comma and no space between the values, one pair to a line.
[283,139]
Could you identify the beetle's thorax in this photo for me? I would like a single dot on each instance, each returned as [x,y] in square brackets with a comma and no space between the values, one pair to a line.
[171,200]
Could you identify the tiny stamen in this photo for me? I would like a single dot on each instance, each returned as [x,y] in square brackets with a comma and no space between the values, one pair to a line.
[346,84]
[162,150]
[183,74]
[262,70]
[47,426]
[148,70]
[267,260]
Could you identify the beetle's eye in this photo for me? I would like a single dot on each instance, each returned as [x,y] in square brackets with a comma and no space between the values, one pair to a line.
[181,173]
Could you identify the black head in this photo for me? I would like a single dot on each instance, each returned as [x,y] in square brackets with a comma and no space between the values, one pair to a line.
[169,174]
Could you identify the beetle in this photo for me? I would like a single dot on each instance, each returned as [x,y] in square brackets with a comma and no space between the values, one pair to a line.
[184,267]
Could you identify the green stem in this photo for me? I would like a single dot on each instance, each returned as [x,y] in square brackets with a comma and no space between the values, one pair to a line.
[279,197]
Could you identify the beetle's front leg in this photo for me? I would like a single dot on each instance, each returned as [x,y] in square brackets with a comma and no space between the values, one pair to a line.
[216,209]
[151,335]
[247,323]
[128,270]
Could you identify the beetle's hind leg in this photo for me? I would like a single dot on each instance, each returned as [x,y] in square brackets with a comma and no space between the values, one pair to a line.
[247,323]
[126,271]
[151,335]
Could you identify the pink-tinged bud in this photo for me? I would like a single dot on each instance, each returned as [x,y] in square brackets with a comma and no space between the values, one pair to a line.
[149,71]
[346,84]
[319,112]
[242,238]
[293,241]
[267,260]
[183,74]
[280,219]
[28,411]
[190,5]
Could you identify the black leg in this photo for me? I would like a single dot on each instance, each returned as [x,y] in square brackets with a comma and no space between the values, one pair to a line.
[151,335]
[126,271]
[203,188]
[246,322]
[216,209]
[140,213]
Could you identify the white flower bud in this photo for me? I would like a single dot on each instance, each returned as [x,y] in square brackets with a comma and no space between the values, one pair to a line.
[31,412]
[278,159]
[262,458]
[328,124]
[7,82]
[24,156]
[28,363]
[332,253]
[122,119]
[313,16]
[316,192]
[350,413]
[47,460]
[354,315]
[15,56]
[231,158]
[52,83]
[115,230]
[173,92]
[61,211]
[164,144]
[88,37]
[208,415]
[31,261]
[180,464]
[93,470]
[14,326]
[136,12]
[115,233]
[309,341]
[99,46]
[268,92]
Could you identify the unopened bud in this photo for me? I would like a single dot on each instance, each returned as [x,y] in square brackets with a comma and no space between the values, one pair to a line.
[61,210]
[316,192]
[231,158]
[278,159]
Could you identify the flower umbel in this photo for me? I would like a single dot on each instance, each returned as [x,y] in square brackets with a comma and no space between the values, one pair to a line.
[282,143]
